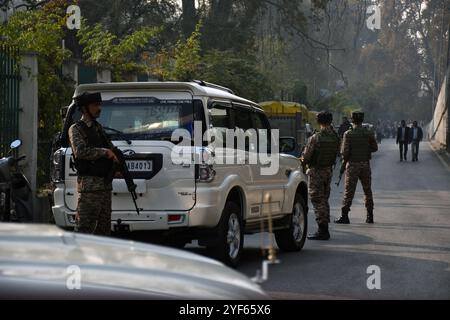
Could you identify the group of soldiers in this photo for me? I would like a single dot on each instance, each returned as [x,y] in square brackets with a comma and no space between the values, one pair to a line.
[319,157]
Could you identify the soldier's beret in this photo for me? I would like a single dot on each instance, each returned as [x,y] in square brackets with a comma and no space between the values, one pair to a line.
[324,117]
[86,98]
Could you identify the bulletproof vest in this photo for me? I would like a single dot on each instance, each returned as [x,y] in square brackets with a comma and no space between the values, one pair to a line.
[359,144]
[98,168]
[326,155]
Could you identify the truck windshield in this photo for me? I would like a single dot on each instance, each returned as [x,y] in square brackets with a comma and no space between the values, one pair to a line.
[146,118]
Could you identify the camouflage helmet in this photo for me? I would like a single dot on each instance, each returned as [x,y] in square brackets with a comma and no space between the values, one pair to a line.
[358,116]
[324,117]
[87,98]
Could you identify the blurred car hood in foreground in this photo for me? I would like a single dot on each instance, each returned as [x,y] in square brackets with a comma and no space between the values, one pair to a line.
[36,260]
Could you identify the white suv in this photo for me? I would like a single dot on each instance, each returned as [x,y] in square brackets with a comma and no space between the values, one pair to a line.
[213,201]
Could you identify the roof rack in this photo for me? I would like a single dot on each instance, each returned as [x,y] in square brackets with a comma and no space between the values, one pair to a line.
[212,85]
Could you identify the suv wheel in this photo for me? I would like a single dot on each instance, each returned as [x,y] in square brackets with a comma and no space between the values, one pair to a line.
[230,236]
[293,238]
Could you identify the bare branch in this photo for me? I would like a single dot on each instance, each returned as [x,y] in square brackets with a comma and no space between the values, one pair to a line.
[314,43]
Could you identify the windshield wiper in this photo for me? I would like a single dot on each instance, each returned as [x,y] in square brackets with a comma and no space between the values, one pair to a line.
[122,135]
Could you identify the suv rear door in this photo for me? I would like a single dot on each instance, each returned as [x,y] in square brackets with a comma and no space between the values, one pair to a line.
[148,120]
[273,185]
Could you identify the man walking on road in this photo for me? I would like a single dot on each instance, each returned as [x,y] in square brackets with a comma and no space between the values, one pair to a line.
[415,138]
[403,137]
[357,147]
[320,156]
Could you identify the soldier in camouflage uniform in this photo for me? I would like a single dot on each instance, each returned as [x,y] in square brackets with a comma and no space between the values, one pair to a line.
[94,164]
[357,146]
[320,156]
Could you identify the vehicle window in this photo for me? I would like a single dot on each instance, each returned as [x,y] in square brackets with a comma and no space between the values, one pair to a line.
[243,118]
[144,118]
[260,122]
[220,117]
[221,121]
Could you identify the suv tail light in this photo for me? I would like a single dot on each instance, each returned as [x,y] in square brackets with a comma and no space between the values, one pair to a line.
[204,171]
[175,218]
[58,163]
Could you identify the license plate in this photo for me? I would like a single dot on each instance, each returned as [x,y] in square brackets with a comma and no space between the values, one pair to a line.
[139,165]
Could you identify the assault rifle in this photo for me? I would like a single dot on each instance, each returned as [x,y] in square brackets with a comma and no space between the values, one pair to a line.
[123,168]
[341,172]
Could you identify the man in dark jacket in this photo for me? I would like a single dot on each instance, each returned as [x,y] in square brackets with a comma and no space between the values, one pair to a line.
[416,135]
[403,139]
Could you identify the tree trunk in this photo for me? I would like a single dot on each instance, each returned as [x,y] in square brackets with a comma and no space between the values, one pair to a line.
[189,18]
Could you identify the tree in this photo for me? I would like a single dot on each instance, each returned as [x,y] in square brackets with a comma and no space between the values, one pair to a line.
[104,50]
[41,31]
[187,57]
[123,17]
[189,17]
[228,68]
[239,73]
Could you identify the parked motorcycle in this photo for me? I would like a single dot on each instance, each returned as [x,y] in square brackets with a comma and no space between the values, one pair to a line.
[16,197]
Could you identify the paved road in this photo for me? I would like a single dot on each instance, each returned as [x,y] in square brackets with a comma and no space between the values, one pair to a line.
[409,242]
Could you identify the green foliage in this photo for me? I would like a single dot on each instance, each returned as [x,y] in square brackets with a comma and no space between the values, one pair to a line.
[228,68]
[104,50]
[123,17]
[41,31]
[300,92]
[187,57]
[239,73]
[36,31]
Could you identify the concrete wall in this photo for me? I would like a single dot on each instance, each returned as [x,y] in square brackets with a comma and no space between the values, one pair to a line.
[438,127]
[70,70]
[103,76]
[28,115]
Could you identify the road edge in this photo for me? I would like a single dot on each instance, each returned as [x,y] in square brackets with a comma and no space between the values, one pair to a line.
[442,155]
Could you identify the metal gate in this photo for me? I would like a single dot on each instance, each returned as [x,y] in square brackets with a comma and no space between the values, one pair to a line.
[9,97]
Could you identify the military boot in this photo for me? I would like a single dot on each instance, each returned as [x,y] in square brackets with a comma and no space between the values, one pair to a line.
[344,218]
[369,216]
[321,234]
